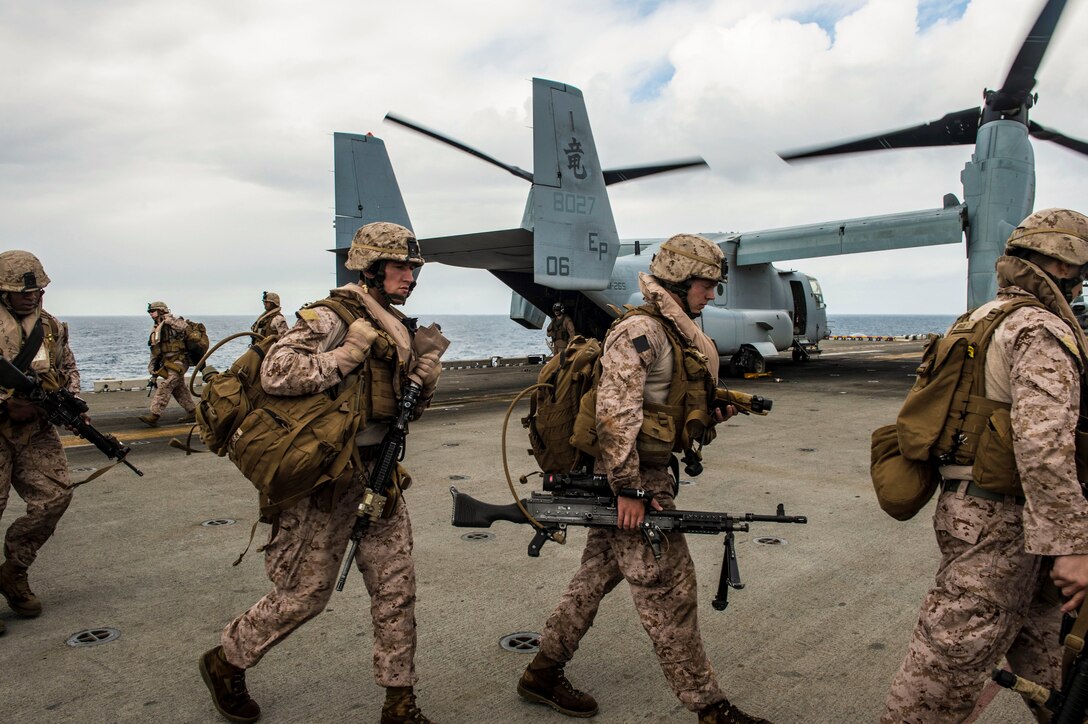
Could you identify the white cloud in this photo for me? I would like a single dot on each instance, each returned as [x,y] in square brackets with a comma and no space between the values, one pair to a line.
[184,151]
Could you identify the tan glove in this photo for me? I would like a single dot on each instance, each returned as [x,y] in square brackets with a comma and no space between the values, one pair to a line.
[428,345]
[351,353]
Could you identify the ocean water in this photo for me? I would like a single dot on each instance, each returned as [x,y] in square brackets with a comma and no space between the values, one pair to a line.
[116,347]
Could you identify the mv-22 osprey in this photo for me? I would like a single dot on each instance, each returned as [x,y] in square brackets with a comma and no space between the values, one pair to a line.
[567,248]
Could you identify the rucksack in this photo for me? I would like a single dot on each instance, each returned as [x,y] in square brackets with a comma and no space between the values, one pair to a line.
[553,407]
[285,446]
[196,340]
[562,415]
[946,420]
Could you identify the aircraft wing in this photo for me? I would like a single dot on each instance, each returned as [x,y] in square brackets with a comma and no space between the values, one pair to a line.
[851,236]
[506,250]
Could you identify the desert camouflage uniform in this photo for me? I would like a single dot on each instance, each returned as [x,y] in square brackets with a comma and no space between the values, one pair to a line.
[560,332]
[664,590]
[31,457]
[164,342]
[988,598]
[303,559]
[271,322]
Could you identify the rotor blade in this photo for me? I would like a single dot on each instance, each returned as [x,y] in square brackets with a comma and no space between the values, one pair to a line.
[619,175]
[519,172]
[952,129]
[1046,134]
[1021,78]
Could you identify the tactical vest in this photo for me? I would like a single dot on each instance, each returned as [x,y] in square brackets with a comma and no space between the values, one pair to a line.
[263,325]
[382,370]
[170,347]
[676,425]
[44,363]
[947,420]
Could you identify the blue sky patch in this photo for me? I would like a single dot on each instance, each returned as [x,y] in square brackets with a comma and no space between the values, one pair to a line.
[654,82]
[930,11]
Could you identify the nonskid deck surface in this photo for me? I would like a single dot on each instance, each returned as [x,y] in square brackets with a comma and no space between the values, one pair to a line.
[815,636]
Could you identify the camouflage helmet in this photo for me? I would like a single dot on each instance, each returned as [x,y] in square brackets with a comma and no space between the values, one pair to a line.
[1058,233]
[20,271]
[271,297]
[160,306]
[382,240]
[687,256]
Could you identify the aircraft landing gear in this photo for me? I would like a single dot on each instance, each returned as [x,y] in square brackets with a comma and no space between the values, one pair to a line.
[747,360]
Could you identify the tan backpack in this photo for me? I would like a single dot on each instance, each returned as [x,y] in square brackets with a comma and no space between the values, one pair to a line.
[946,420]
[552,410]
[285,446]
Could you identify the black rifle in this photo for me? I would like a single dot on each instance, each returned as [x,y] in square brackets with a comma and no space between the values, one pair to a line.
[61,407]
[588,501]
[1069,705]
[150,385]
[391,450]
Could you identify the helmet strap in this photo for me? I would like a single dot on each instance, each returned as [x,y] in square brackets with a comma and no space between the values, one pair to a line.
[681,290]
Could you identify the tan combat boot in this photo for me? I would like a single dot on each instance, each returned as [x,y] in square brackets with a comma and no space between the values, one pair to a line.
[545,683]
[227,683]
[189,417]
[150,419]
[16,589]
[725,713]
[400,707]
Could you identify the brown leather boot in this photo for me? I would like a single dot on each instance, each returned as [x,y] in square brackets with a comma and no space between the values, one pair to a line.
[150,419]
[227,683]
[400,707]
[189,417]
[725,713]
[16,589]
[545,683]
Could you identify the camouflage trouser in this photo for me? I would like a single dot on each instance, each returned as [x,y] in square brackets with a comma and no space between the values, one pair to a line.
[173,384]
[664,592]
[38,471]
[987,603]
[303,563]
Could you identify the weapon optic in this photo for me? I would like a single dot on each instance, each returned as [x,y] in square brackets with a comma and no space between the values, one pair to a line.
[586,500]
[63,408]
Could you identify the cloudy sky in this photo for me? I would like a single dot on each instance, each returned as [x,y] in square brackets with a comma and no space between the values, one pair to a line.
[183,150]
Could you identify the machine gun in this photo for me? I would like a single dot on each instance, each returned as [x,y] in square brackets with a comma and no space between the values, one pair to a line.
[374,499]
[587,500]
[1069,705]
[61,407]
[745,404]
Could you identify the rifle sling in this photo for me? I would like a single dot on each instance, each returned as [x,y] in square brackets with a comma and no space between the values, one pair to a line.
[1073,643]
[30,347]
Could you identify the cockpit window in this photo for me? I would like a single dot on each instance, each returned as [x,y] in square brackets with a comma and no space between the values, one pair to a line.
[817,293]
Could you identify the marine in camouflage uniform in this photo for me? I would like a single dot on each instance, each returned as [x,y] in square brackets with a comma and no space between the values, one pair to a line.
[169,363]
[637,368]
[31,457]
[272,321]
[304,556]
[561,329]
[991,597]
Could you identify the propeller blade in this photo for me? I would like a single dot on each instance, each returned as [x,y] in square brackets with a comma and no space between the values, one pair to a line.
[519,172]
[619,175]
[1021,78]
[1046,134]
[951,129]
